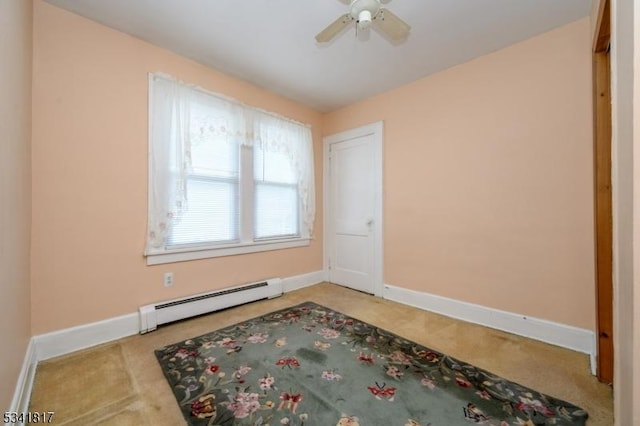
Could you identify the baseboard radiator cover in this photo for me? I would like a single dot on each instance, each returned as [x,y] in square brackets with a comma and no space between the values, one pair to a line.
[151,316]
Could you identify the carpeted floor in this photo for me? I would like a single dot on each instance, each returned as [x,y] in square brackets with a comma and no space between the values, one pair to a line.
[122,384]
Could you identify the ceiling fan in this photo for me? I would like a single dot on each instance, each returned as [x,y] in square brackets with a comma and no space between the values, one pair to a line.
[367,13]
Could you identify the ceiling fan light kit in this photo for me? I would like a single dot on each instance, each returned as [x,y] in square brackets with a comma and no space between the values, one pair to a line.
[364,11]
[364,19]
[367,13]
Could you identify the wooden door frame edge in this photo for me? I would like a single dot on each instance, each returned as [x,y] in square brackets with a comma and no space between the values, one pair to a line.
[603,216]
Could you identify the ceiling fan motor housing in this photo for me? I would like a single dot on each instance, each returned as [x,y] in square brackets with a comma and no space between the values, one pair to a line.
[364,11]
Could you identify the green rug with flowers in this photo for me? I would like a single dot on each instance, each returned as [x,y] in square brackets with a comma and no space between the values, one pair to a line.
[310,365]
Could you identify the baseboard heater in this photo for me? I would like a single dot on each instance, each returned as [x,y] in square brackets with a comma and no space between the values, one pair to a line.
[151,316]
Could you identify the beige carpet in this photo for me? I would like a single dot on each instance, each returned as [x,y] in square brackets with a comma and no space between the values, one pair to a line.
[121,383]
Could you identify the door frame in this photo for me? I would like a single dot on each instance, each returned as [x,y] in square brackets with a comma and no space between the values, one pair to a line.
[603,214]
[375,130]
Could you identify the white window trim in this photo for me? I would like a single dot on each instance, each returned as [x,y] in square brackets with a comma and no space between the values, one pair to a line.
[191,253]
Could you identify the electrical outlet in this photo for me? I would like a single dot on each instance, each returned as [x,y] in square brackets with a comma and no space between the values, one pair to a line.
[168,279]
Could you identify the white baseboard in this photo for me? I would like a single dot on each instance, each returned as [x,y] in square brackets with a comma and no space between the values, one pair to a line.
[72,339]
[566,336]
[22,393]
[301,281]
[62,342]
[84,336]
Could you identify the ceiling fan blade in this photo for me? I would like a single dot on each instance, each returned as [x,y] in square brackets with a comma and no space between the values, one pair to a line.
[391,24]
[334,28]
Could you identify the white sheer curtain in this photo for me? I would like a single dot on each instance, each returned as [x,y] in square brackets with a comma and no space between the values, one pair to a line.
[273,133]
[175,123]
[169,156]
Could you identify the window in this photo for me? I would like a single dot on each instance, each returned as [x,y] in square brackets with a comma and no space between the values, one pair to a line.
[223,178]
[276,196]
[212,211]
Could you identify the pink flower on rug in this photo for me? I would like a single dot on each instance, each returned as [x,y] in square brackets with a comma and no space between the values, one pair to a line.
[243,404]
[227,342]
[292,317]
[183,353]
[258,338]
[400,357]
[366,358]
[343,322]
[331,376]
[208,345]
[329,333]
[241,372]
[266,382]
[209,360]
[428,382]
[526,404]
[288,361]
[394,372]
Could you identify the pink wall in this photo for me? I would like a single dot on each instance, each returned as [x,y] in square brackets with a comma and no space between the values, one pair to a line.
[15,190]
[488,179]
[496,154]
[90,176]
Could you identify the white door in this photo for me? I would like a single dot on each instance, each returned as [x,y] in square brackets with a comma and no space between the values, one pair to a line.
[354,209]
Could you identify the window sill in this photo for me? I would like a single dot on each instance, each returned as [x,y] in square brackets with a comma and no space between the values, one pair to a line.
[183,255]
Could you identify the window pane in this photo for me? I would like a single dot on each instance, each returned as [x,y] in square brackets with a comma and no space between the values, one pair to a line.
[276,210]
[211,154]
[214,158]
[271,166]
[211,214]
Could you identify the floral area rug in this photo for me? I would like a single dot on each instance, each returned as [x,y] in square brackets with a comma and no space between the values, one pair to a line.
[310,365]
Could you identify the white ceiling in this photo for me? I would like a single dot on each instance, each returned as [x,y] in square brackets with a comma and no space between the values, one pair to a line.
[271,44]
